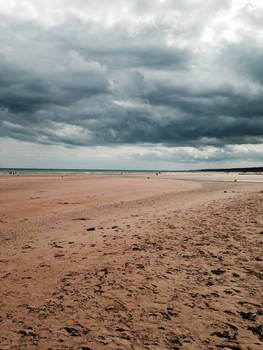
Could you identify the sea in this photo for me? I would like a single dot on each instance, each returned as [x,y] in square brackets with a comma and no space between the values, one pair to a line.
[255,170]
[76,171]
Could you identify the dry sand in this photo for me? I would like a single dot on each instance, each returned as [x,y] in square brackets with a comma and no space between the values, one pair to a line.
[130,262]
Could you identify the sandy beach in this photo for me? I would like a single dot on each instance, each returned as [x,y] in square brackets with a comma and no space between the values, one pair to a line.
[133,261]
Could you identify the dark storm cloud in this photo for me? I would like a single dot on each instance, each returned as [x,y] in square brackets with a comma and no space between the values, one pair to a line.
[210,103]
[82,83]
[246,58]
[24,91]
[119,49]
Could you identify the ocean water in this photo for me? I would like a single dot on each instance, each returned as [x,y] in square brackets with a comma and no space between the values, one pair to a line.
[73,171]
[256,170]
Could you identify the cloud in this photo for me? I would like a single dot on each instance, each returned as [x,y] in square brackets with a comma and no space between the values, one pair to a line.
[134,73]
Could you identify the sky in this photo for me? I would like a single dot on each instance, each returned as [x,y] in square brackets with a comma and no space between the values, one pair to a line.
[131,84]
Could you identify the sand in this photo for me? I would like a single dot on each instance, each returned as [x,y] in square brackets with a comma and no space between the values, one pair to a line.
[131,262]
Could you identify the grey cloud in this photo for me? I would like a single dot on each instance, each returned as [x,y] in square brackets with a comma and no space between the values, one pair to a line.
[252,15]
[118,49]
[30,93]
[210,103]
[204,154]
[81,83]
[245,57]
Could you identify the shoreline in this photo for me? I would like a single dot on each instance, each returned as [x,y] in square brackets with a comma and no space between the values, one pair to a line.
[180,176]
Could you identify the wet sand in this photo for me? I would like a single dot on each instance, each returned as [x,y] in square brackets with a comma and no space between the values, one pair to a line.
[130,262]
